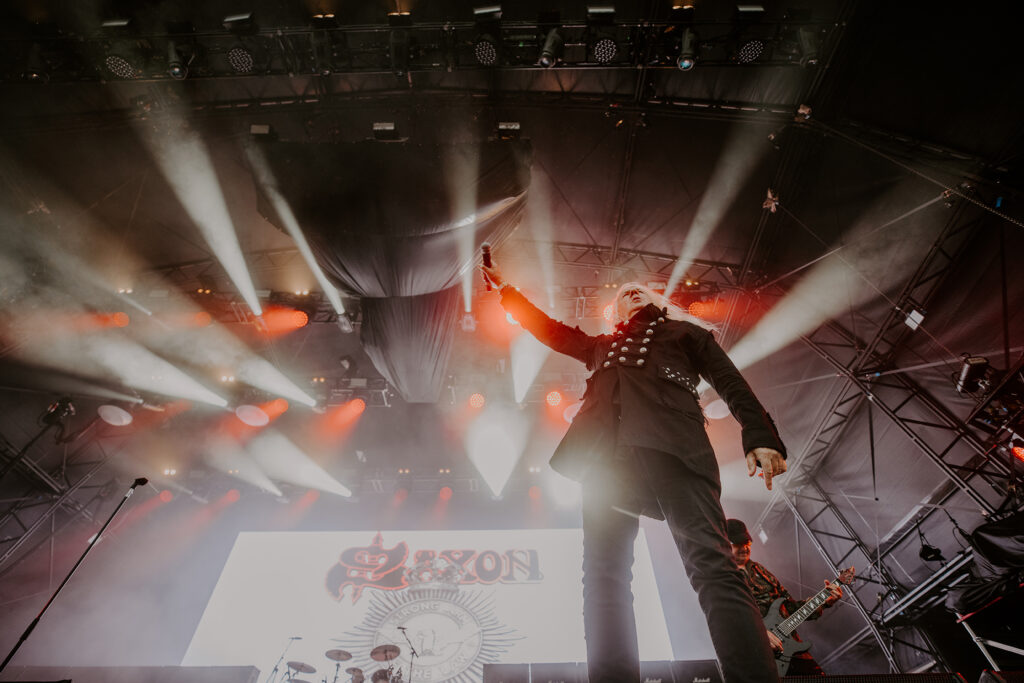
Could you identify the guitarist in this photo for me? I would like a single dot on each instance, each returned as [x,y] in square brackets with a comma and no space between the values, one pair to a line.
[766,589]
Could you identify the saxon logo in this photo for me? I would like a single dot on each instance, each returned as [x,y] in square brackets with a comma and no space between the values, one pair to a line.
[453,628]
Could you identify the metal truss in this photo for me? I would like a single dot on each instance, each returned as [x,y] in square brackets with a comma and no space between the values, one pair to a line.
[863,364]
[53,499]
[968,464]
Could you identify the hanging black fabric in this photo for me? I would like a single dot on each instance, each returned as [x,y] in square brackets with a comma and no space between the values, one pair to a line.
[396,224]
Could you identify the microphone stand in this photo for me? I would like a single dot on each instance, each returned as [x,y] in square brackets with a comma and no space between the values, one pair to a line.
[413,653]
[273,672]
[141,481]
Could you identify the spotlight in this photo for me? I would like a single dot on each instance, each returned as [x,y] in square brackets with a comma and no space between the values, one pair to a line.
[241,60]
[385,130]
[608,312]
[477,401]
[750,51]
[348,366]
[445,493]
[972,374]
[605,49]
[59,410]
[508,130]
[553,398]
[243,23]
[485,49]
[551,52]
[176,67]
[35,65]
[122,67]
[928,553]
[254,416]
[808,39]
[113,415]
[535,492]
[914,318]
[687,51]
[468,322]
[399,42]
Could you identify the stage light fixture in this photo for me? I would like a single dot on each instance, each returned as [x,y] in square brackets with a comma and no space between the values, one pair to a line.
[605,49]
[553,398]
[551,52]
[535,492]
[808,40]
[399,42]
[177,68]
[914,318]
[750,51]
[477,401]
[35,66]
[114,415]
[486,49]
[241,59]
[972,373]
[467,322]
[122,67]
[928,552]
[385,130]
[254,416]
[687,58]
[508,130]
[445,493]
[241,23]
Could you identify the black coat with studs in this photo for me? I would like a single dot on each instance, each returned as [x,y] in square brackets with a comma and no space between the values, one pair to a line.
[643,390]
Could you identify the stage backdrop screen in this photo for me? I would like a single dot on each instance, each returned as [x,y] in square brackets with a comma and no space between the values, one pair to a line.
[464,598]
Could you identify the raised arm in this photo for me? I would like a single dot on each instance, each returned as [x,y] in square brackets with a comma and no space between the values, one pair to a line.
[572,341]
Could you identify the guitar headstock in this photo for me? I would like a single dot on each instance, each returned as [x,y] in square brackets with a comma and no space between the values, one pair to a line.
[846,576]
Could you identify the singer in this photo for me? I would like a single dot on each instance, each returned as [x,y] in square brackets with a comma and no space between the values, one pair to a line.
[638,446]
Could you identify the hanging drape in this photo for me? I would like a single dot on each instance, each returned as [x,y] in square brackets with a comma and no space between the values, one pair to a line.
[396,224]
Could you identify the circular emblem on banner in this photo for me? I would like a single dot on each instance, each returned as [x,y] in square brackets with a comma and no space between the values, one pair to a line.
[447,636]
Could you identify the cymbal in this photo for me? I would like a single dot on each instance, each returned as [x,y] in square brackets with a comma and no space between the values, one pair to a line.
[338,655]
[302,667]
[384,653]
[353,670]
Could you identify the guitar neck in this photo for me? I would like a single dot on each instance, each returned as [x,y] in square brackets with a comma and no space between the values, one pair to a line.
[789,624]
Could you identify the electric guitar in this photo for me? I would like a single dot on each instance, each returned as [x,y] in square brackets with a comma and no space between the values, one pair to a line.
[783,627]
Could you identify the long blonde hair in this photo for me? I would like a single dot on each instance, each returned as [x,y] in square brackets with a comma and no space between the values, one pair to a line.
[673,311]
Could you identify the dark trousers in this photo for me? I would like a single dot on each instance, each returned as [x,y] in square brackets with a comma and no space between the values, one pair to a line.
[612,501]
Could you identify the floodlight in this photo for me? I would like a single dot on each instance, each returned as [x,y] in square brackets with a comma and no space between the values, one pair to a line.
[551,52]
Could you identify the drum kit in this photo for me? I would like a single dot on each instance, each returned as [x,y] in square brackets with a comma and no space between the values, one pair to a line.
[381,653]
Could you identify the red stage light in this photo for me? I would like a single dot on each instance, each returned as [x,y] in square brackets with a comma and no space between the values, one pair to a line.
[337,422]
[275,408]
[232,496]
[477,401]
[609,311]
[698,309]
[446,493]
[535,492]
[120,319]
[202,319]
[1018,452]
[311,496]
[166,496]
[400,496]
[279,319]
[553,398]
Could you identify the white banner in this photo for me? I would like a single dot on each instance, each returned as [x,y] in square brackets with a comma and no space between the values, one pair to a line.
[465,598]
